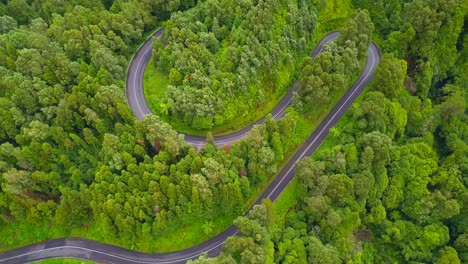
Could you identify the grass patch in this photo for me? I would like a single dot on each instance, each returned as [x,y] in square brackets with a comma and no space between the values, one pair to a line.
[155,85]
[190,236]
[250,118]
[331,16]
[24,233]
[288,199]
[63,261]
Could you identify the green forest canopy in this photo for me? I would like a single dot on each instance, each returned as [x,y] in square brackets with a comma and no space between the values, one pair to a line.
[389,185]
[225,58]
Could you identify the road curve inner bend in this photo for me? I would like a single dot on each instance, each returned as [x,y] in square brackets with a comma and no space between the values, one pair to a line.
[137,101]
[104,253]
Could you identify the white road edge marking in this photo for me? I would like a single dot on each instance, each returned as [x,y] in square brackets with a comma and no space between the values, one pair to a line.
[135,78]
[112,255]
[328,123]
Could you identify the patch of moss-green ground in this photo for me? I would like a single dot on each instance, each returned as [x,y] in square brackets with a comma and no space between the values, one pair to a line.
[63,261]
[287,200]
[155,87]
[23,233]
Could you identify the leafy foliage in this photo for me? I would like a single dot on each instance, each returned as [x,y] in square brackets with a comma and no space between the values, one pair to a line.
[225,58]
[334,68]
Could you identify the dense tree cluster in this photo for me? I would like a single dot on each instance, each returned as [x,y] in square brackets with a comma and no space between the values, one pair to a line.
[384,194]
[161,183]
[62,66]
[335,68]
[427,34]
[392,186]
[71,150]
[224,58]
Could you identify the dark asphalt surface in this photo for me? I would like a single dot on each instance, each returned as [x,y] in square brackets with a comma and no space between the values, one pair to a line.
[98,252]
[136,71]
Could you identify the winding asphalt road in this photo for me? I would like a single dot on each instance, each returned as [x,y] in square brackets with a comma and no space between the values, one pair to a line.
[95,251]
[137,101]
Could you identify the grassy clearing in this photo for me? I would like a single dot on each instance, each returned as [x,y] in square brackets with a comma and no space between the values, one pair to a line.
[155,87]
[63,261]
[190,236]
[287,200]
[24,233]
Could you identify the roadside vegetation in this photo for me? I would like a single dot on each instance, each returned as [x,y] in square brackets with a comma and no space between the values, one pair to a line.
[63,261]
[156,84]
[229,62]
[389,183]
[272,86]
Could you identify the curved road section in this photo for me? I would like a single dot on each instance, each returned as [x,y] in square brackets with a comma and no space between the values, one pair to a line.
[95,251]
[137,101]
